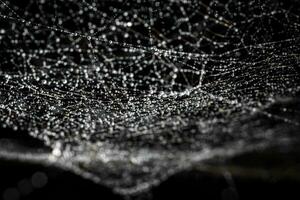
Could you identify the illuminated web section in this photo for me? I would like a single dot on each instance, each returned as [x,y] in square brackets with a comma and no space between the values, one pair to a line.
[128,92]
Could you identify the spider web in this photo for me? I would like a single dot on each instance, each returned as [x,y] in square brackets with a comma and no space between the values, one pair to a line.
[127,93]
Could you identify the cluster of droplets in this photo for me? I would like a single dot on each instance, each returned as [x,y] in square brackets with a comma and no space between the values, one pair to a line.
[177,75]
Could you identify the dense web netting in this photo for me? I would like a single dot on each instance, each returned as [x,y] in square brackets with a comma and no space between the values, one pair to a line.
[127,92]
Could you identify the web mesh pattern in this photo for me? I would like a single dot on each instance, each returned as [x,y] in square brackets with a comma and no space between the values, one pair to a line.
[128,92]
